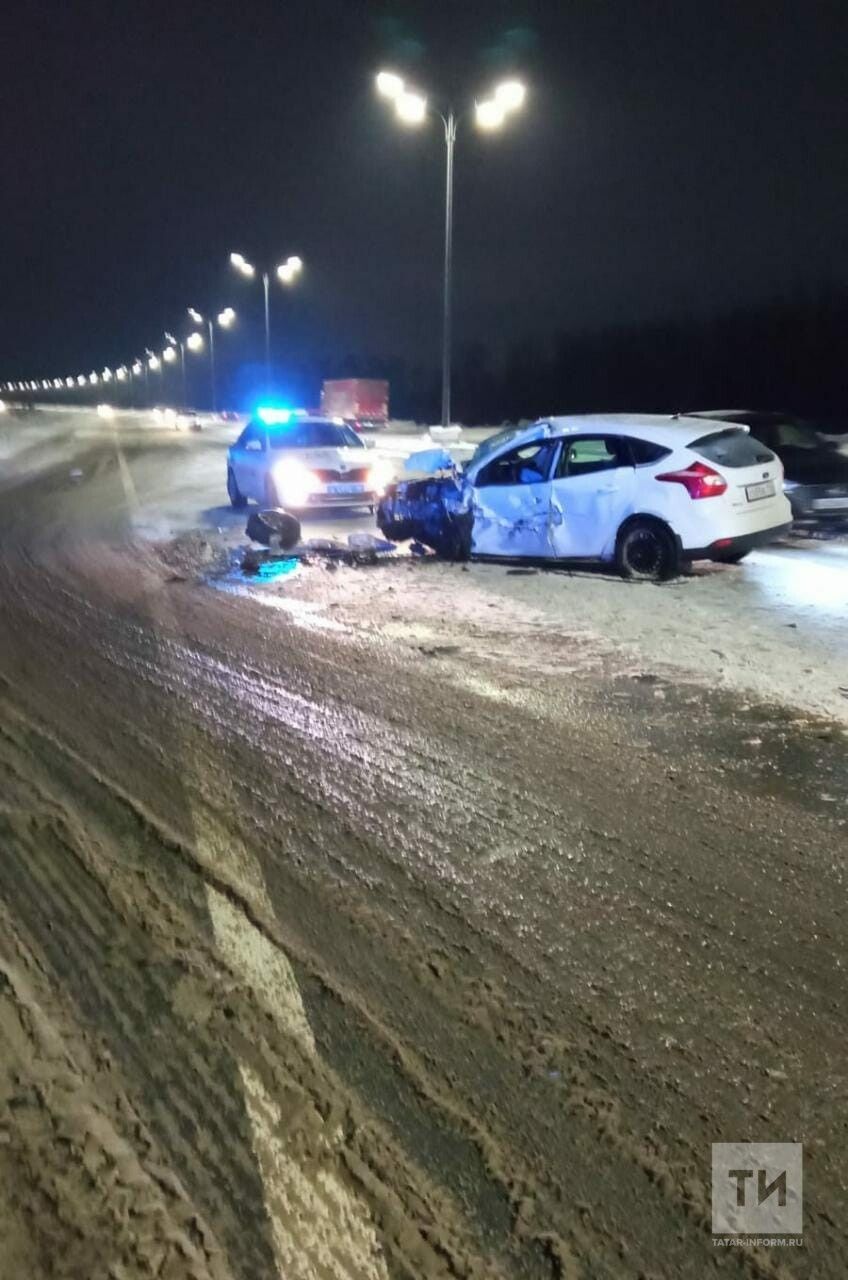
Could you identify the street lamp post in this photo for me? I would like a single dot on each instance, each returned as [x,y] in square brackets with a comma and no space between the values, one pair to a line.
[286,272]
[170,354]
[412,109]
[152,362]
[450,141]
[224,320]
[194,342]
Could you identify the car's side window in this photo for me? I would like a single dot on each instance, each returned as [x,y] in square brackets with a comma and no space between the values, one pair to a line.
[528,464]
[644,452]
[252,440]
[584,455]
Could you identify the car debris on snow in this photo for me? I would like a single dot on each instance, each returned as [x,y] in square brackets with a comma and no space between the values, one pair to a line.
[279,533]
[273,528]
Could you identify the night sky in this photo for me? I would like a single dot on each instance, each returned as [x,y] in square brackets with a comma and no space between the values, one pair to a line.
[671,159]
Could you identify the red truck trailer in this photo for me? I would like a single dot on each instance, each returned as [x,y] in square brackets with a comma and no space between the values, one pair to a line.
[363,402]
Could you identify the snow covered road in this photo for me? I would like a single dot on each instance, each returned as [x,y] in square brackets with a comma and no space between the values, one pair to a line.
[441,940]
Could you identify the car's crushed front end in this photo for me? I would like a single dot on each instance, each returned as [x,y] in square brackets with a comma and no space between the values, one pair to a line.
[435,512]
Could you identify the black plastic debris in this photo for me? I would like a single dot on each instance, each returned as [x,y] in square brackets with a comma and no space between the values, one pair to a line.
[359,549]
[273,528]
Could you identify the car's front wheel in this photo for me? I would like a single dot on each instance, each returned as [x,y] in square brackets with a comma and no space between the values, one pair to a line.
[237,498]
[645,551]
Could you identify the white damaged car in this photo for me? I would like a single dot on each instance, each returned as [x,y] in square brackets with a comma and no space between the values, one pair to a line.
[644,492]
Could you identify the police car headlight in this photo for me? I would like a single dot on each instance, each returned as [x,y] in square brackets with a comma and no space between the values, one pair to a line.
[295,483]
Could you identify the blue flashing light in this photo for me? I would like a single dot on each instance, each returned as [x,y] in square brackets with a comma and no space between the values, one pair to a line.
[273,416]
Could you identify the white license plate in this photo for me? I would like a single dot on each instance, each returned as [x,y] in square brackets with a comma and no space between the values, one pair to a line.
[753,492]
[345,488]
[830,504]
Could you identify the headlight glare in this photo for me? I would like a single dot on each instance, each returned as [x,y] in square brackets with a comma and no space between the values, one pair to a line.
[295,483]
[380,475]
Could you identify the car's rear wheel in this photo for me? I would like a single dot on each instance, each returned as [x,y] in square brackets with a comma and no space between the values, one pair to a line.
[237,498]
[731,557]
[645,551]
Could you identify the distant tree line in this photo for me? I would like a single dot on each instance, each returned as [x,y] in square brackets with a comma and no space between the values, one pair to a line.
[787,354]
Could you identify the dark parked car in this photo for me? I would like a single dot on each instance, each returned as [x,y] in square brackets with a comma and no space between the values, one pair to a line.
[815,471]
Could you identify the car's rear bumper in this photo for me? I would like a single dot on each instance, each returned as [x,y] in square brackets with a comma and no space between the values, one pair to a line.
[723,547]
[819,503]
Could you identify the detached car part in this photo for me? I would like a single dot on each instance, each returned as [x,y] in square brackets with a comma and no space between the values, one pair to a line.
[273,528]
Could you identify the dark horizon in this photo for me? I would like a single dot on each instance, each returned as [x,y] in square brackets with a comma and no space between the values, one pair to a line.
[671,165]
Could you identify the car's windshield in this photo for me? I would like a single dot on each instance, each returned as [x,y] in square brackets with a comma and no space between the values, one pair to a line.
[314,435]
[493,442]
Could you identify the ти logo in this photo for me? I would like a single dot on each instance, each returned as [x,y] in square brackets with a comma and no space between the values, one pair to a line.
[757,1188]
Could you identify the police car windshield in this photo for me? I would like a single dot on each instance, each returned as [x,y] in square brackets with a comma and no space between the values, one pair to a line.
[314,435]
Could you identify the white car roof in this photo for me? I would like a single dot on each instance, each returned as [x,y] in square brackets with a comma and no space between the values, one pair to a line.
[669,430]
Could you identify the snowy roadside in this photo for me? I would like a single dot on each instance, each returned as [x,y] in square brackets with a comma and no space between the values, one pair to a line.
[702,628]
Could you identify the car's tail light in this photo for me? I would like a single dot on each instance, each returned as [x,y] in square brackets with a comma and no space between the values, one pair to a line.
[699,479]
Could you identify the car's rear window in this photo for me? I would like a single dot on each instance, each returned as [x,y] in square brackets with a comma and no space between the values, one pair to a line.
[314,435]
[732,448]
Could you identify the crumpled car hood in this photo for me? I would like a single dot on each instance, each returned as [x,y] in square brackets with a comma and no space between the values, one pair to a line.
[437,512]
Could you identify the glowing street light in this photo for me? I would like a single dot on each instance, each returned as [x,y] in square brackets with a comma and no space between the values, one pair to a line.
[121,373]
[389,84]
[490,115]
[177,348]
[510,94]
[241,264]
[411,108]
[287,273]
[225,320]
[153,361]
